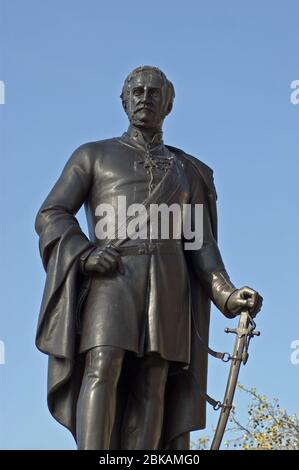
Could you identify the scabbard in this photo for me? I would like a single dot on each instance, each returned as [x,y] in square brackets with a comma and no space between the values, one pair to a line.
[237,357]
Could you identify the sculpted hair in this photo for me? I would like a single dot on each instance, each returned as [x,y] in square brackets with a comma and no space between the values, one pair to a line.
[169,93]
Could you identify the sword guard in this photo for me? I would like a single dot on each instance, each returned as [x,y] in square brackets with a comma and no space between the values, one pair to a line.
[231,330]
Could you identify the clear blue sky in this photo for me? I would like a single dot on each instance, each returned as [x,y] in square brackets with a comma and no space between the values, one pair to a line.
[232,62]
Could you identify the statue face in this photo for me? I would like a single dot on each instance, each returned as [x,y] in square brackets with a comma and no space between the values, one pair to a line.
[145,100]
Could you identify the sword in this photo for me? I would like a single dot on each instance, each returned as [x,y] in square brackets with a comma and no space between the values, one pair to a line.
[244,332]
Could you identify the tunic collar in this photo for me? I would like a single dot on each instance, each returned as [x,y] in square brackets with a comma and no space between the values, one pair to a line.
[135,137]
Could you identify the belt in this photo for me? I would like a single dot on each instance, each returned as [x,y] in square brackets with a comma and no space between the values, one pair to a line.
[147,248]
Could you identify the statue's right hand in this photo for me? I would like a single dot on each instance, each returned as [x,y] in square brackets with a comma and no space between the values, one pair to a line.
[105,261]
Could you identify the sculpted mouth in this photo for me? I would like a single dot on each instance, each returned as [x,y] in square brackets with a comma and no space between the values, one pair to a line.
[146,108]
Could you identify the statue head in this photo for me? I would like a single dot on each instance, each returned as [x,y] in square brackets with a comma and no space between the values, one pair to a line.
[147,97]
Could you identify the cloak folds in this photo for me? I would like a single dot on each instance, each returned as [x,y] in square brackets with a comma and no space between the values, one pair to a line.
[61,244]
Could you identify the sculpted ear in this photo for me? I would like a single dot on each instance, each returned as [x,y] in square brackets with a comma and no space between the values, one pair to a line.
[169,108]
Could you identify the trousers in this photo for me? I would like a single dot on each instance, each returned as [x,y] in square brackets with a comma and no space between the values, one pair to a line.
[143,417]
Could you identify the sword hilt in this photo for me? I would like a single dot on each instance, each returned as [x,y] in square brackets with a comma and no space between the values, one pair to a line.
[248,332]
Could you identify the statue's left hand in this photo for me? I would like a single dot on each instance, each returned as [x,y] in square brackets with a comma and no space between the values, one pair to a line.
[244,298]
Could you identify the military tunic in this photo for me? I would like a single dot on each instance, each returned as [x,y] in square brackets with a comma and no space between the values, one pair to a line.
[146,308]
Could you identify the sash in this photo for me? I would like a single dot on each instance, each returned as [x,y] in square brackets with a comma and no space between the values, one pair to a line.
[162,193]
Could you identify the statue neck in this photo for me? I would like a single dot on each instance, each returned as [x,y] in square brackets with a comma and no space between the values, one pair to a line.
[145,136]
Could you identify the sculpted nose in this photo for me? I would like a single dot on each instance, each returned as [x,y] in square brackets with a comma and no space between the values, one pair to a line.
[145,95]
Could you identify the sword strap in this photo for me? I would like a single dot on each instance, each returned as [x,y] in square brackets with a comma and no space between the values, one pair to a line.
[224,356]
[216,404]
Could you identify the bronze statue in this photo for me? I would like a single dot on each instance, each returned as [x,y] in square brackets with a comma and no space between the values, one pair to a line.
[121,317]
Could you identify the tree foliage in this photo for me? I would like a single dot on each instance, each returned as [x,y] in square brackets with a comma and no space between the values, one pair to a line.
[268,427]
